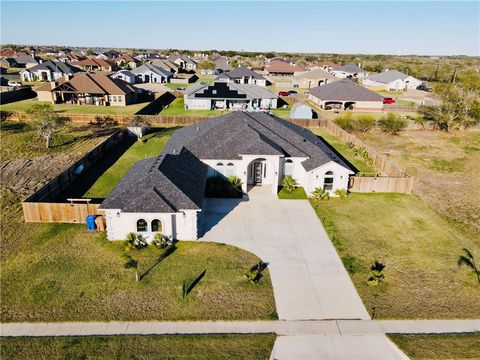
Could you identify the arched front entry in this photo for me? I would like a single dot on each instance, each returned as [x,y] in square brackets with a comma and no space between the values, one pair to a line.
[257,171]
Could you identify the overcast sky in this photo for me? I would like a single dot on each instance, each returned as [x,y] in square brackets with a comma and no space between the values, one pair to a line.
[374,27]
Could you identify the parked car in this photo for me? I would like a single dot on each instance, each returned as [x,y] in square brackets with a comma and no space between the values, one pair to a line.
[283,93]
[388,100]
[14,83]
[423,87]
[292,92]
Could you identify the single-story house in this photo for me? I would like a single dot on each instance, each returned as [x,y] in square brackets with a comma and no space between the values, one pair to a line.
[66,58]
[165,64]
[222,64]
[391,80]
[7,63]
[281,67]
[313,78]
[148,73]
[301,110]
[184,62]
[243,75]
[324,65]
[88,89]
[165,194]
[95,65]
[48,71]
[125,75]
[127,60]
[345,94]
[27,61]
[229,96]
[349,71]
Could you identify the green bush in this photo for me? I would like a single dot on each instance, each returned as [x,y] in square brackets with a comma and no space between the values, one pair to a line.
[289,183]
[319,194]
[345,121]
[341,193]
[348,122]
[136,241]
[235,182]
[392,123]
[161,241]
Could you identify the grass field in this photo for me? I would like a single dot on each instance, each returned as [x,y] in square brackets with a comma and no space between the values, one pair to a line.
[283,112]
[152,146]
[345,151]
[177,108]
[23,106]
[20,140]
[171,347]
[440,347]
[418,247]
[298,193]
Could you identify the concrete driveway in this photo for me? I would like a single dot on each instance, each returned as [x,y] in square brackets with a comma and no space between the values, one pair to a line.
[309,280]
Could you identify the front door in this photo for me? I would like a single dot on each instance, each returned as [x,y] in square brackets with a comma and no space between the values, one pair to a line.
[257,172]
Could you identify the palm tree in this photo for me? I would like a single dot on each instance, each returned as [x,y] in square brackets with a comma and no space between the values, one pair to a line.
[469,261]
[319,194]
[289,183]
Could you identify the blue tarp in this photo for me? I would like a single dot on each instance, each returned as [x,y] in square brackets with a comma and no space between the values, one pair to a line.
[91,222]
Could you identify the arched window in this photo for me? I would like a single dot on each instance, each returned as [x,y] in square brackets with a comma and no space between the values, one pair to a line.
[219,169]
[288,167]
[328,181]
[229,170]
[141,225]
[156,226]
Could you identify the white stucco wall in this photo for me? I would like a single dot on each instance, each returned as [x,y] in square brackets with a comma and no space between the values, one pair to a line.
[179,226]
[193,104]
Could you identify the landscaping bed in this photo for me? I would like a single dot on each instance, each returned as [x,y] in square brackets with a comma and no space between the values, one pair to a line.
[298,194]
[418,247]
[201,347]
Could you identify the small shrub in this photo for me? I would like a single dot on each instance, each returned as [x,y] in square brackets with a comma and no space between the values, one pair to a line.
[392,123]
[235,182]
[289,183]
[345,121]
[364,123]
[161,241]
[320,194]
[351,263]
[376,275]
[136,241]
[341,193]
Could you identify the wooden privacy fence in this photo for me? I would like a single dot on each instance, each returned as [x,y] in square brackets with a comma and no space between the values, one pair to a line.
[381,184]
[59,212]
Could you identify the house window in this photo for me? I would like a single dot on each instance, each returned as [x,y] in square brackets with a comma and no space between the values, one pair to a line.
[230,170]
[328,181]
[219,169]
[156,226]
[288,168]
[141,225]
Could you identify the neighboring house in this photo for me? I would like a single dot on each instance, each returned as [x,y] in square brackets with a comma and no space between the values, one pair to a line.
[48,71]
[88,89]
[281,67]
[125,75]
[127,60]
[313,78]
[345,95]
[95,65]
[27,61]
[165,194]
[67,58]
[185,62]
[324,65]
[165,64]
[148,73]
[222,64]
[302,111]
[243,75]
[8,63]
[350,71]
[391,80]
[229,96]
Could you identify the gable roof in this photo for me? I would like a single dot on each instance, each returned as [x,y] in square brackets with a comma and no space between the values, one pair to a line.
[184,58]
[315,74]
[345,90]
[25,59]
[228,90]
[95,84]
[239,73]
[93,62]
[325,63]
[282,66]
[124,72]
[149,67]
[388,76]
[350,68]
[165,64]
[55,66]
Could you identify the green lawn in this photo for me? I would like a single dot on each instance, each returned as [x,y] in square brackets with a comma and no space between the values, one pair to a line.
[418,247]
[177,108]
[171,347]
[283,112]
[345,151]
[298,193]
[20,140]
[153,145]
[441,347]
[23,106]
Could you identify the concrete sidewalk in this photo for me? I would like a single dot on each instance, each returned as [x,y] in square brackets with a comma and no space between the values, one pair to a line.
[279,327]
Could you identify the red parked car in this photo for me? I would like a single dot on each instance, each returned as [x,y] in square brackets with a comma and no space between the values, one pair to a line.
[283,93]
[388,100]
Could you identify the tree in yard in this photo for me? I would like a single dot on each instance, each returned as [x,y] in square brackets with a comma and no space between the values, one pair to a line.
[469,261]
[392,123]
[48,122]
[205,65]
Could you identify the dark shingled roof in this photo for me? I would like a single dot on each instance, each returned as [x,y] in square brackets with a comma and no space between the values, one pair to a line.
[351,68]
[55,66]
[239,73]
[176,179]
[164,184]
[345,90]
